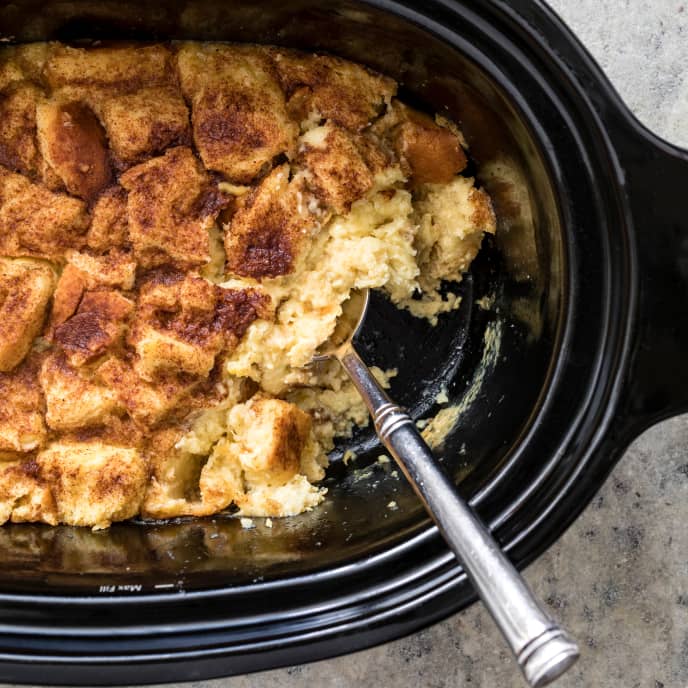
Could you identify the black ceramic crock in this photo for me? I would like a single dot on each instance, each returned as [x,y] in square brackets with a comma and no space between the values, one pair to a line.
[577,348]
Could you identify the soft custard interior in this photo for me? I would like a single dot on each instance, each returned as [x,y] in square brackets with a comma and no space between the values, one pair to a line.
[179,228]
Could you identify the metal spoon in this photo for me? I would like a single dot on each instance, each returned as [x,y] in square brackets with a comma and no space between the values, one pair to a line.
[542,648]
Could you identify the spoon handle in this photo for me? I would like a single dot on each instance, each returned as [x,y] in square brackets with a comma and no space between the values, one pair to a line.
[542,648]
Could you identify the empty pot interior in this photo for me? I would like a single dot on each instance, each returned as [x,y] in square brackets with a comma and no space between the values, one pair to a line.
[491,357]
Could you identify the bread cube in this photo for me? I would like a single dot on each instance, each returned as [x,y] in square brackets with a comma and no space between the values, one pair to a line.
[22,429]
[124,68]
[160,351]
[73,143]
[452,219]
[37,222]
[431,154]
[182,322]
[10,71]
[337,172]
[236,309]
[98,324]
[25,288]
[145,123]
[345,93]
[116,268]
[24,495]
[109,227]
[174,327]
[147,403]
[171,206]
[93,484]
[272,435]
[271,227]
[70,288]
[239,116]
[73,398]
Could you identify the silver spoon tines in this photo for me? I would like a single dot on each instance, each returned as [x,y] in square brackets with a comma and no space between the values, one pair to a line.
[542,648]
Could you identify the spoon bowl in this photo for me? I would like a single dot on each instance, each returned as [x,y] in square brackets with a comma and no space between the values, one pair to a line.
[354,311]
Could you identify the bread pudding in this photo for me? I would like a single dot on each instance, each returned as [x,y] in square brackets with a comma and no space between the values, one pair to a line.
[180,225]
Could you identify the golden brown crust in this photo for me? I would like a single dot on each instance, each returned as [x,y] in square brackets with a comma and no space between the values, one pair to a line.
[337,172]
[93,484]
[346,93]
[432,153]
[84,271]
[236,309]
[120,68]
[73,143]
[171,206]
[109,227]
[147,402]
[98,325]
[22,429]
[270,228]
[239,115]
[145,123]
[183,322]
[25,288]
[173,328]
[38,222]
[74,398]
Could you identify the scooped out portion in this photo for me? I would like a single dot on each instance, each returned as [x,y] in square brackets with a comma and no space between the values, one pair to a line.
[180,225]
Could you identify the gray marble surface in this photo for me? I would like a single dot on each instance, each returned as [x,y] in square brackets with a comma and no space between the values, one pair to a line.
[618,578]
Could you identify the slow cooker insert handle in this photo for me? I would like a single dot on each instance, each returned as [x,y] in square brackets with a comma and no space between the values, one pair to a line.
[657,190]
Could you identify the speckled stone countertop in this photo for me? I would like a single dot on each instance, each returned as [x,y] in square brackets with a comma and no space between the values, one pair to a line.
[618,578]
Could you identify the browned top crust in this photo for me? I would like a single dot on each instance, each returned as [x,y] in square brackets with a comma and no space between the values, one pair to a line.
[97,326]
[337,172]
[344,92]
[124,68]
[145,123]
[182,322]
[236,309]
[270,226]
[18,149]
[171,205]
[240,120]
[38,222]
[25,288]
[125,170]
[73,143]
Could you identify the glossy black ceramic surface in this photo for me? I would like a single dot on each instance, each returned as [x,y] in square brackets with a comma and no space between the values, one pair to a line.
[554,379]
